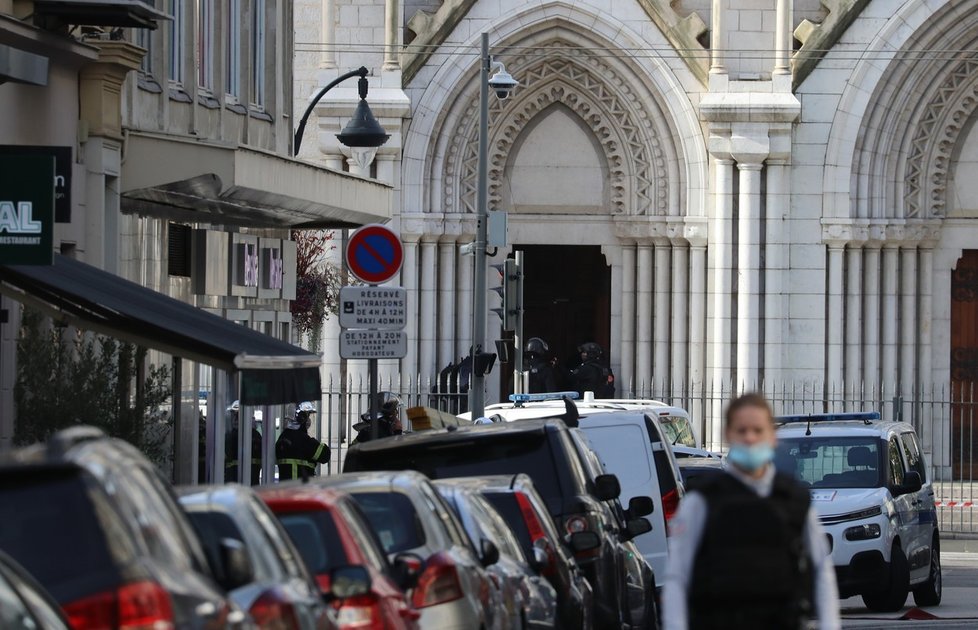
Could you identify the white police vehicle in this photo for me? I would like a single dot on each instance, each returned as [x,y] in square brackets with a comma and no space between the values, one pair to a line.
[870,487]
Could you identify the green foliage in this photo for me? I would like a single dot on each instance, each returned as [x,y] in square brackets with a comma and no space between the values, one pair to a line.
[68,379]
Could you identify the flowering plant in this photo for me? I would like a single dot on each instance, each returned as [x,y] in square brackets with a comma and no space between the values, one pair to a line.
[317,282]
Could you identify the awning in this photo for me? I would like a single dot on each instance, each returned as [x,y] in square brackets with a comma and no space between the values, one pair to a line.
[201,182]
[272,371]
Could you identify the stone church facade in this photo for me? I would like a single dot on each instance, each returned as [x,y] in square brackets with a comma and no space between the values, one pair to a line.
[717,191]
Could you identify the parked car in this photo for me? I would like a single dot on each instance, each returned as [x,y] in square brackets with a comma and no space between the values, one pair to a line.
[870,487]
[24,604]
[411,520]
[135,560]
[530,601]
[331,532]
[545,451]
[275,587]
[630,445]
[641,596]
[692,467]
[519,504]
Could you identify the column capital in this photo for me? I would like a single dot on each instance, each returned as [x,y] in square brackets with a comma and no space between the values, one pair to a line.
[749,166]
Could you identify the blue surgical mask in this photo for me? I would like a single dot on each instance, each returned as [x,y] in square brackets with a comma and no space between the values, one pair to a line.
[750,458]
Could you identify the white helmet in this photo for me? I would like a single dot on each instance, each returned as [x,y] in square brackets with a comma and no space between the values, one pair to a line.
[235,406]
[484,420]
[308,407]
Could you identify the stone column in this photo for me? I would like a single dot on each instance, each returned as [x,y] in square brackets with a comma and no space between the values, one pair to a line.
[643,327]
[934,439]
[908,324]
[626,379]
[446,303]
[464,301]
[392,15]
[834,323]
[428,313]
[680,317]
[749,275]
[328,61]
[717,35]
[697,328]
[722,245]
[871,317]
[853,337]
[409,280]
[660,341]
[890,317]
[775,265]
[782,37]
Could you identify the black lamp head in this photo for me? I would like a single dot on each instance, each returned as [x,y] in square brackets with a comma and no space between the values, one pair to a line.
[363,130]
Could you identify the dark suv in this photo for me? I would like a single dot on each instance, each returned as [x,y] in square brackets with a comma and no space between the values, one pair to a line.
[544,450]
[93,521]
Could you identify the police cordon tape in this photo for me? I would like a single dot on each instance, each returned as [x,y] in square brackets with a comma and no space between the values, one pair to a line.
[954,504]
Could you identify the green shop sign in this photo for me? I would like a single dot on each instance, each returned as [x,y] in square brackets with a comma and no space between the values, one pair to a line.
[26,209]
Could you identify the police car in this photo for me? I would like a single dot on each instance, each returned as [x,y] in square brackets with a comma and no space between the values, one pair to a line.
[873,495]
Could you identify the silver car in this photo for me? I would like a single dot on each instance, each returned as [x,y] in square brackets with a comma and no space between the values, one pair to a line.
[454,591]
[530,601]
[281,590]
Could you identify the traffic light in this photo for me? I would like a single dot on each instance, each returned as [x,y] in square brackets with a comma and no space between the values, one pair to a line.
[510,291]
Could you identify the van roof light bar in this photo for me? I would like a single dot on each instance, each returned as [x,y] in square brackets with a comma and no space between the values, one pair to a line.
[519,399]
[866,417]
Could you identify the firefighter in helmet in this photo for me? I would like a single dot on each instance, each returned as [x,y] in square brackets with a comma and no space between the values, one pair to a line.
[387,420]
[298,453]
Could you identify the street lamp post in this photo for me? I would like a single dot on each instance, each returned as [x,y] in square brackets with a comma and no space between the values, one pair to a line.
[363,130]
[502,84]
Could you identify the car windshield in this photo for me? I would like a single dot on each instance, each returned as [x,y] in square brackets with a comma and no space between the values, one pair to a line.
[315,537]
[393,518]
[677,430]
[832,462]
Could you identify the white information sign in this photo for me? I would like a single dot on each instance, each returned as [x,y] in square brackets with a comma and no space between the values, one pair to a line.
[373,344]
[377,308]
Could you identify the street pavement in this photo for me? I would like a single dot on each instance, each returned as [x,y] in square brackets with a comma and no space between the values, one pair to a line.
[959,608]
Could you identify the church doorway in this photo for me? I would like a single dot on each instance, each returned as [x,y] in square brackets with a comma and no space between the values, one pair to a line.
[567,301]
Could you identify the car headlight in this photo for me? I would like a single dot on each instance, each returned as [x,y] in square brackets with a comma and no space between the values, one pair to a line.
[858,515]
[863,532]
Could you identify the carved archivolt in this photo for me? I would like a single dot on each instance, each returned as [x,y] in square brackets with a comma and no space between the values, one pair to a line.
[636,155]
[935,137]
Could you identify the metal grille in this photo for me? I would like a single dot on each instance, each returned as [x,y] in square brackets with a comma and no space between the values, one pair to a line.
[178,250]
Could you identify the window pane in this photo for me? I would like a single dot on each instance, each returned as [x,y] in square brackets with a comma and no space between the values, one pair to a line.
[896,463]
[233,56]
[176,41]
[314,535]
[205,39]
[832,462]
[393,518]
[258,54]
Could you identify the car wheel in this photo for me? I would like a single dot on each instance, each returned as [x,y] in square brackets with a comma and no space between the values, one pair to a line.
[894,596]
[929,593]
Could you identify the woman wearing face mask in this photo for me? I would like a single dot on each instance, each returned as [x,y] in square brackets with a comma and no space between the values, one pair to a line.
[747,550]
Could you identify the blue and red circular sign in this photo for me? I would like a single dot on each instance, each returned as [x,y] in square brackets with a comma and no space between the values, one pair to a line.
[374,254]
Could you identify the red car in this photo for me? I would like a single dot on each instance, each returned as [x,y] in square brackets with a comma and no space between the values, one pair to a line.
[330,531]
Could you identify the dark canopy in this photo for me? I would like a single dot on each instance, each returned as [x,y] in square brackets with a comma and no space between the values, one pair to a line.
[272,371]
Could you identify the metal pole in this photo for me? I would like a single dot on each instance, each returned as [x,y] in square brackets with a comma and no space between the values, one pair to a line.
[372,402]
[519,382]
[477,386]
[297,139]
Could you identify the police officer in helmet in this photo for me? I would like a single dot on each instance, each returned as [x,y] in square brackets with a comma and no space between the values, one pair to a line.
[543,377]
[231,448]
[747,551]
[387,420]
[297,453]
[592,375]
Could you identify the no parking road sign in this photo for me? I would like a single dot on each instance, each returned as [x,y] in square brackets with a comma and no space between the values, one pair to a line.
[374,254]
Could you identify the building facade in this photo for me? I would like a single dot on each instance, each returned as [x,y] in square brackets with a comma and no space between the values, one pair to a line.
[176,136]
[718,191]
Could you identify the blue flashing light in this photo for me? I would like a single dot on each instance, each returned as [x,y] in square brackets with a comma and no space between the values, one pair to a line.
[858,416]
[519,399]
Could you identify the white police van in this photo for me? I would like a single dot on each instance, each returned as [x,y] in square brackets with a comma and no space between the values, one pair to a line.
[870,487]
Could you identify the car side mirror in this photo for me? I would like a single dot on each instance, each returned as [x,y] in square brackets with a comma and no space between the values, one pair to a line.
[911,483]
[489,553]
[606,487]
[348,581]
[636,527]
[235,564]
[584,541]
[640,506]
[407,569]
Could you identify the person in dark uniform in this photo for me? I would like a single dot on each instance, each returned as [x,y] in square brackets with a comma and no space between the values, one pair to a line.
[388,419]
[231,448]
[543,377]
[592,375]
[747,551]
[296,452]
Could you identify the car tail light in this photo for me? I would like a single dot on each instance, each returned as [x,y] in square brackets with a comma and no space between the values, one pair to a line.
[438,583]
[670,504]
[135,606]
[538,536]
[360,613]
[271,611]
[576,524]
